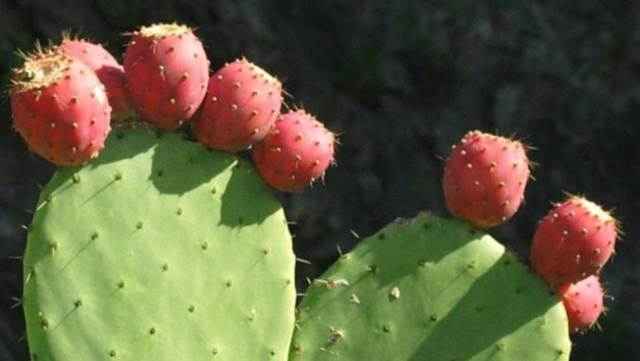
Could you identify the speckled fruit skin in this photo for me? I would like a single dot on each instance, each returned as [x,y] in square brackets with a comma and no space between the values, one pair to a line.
[295,153]
[60,108]
[167,71]
[108,70]
[573,241]
[584,303]
[241,105]
[485,178]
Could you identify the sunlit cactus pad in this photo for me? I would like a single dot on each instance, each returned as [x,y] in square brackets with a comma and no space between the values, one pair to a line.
[159,249]
[430,289]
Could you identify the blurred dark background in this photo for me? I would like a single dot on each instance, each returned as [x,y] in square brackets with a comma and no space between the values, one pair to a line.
[401,81]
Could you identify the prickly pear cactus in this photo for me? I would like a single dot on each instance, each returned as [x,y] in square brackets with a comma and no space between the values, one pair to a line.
[158,250]
[430,289]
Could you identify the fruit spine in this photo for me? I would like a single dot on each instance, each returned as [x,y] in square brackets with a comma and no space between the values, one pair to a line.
[60,108]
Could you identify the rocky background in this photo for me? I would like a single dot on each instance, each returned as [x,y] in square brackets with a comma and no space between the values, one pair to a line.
[400,81]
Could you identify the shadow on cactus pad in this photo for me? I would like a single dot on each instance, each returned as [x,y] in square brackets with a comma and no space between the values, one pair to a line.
[430,289]
[124,264]
[178,170]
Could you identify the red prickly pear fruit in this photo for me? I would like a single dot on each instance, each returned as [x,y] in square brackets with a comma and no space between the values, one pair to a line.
[60,108]
[584,303]
[167,71]
[296,152]
[242,103]
[573,241]
[108,70]
[93,55]
[485,178]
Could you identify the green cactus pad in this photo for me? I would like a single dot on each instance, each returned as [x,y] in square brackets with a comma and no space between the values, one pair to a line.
[430,289]
[159,249]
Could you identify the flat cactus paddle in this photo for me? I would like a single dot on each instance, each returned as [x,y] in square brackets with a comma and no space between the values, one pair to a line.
[159,249]
[430,289]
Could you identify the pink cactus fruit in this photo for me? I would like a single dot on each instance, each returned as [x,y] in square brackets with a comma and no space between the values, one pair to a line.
[485,178]
[573,241]
[60,108]
[584,303]
[108,70]
[167,71]
[242,103]
[296,152]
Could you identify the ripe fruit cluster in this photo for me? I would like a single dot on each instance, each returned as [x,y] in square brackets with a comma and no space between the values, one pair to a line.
[65,99]
[484,183]
[570,246]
